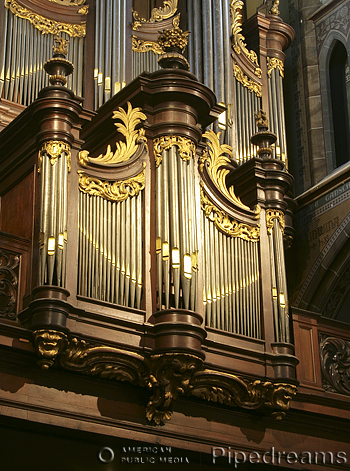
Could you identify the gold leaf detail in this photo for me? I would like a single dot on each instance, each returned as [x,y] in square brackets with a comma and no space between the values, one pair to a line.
[238,39]
[272,214]
[124,150]
[186,147]
[217,159]
[274,9]
[245,81]
[158,14]
[69,2]
[54,150]
[141,45]
[116,191]
[45,25]
[273,63]
[226,225]
[173,38]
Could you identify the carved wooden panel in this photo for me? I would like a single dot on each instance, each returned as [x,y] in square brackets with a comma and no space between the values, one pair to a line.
[335,364]
[13,274]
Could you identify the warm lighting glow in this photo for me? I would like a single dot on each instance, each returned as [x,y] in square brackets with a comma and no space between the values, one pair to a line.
[175,258]
[100,78]
[51,245]
[108,84]
[60,241]
[187,266]
[165,250]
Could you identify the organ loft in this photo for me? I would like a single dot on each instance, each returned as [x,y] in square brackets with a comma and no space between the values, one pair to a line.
[161,176]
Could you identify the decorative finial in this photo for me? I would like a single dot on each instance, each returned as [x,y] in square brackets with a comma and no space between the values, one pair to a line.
[61,46]
[59,67]
[263,138]
[274,9]
[261,120]
[173,42]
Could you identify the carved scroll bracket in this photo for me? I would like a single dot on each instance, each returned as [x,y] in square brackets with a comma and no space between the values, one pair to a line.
[170,378]
[124,150]
[168,10]
[167,375]
[187,148]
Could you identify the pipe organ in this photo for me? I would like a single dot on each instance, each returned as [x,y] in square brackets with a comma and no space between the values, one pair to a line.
[177,216]
[150,221]
[26,44]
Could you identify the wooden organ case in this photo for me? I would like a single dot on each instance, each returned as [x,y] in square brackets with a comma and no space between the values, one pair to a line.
[152,246]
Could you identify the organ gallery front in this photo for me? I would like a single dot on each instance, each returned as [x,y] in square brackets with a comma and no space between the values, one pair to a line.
[146,208]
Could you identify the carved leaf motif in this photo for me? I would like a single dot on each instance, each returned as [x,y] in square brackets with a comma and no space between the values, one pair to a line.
[218,157]
[335,364]
[225,224]
[116,191]
[124,150]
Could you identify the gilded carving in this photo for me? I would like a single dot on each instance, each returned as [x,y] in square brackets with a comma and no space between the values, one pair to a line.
[335,364]
[234,391]
[186,147]
[158,14]
[173,38]
[273,63]
[105,362]
[69,2]
[9,267]
[117,191]
[274,9]
[142,45]
[124,150]
[171,376]
[45,25]
[272,214]
[226,225]
[245,81]
[61,45]
[48,345]
[238,39]
[54,150]
[214,161]
[261,119]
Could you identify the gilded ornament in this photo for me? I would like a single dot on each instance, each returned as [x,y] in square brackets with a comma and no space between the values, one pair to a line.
[45,25]
[214,161]
[273,63]
[274,9]
[61,45]
[186,147]
[124,150]
[272,214]
[117,191]
[335,364]
[158,14]
[54,150]
[105,361]
[245,81]
[171,375]
[173,38]
[261,119]
[48,344]
[235,391]
[226,225]
[84,10]
[69,3]
[238,39]
[142,45]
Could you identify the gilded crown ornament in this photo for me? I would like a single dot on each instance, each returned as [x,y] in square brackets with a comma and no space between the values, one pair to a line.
[59,67]
[173,42]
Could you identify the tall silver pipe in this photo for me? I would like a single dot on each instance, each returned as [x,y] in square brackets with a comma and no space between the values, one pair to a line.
[207,267]
[119,229]
[3,48]
[166,242]
[122,253]
[127,251]
[213,274]
[174,218]
[109,250]
[139,251]
[113,251]
[207,44]
[133,228]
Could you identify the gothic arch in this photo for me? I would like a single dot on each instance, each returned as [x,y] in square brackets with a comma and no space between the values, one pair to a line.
[334,40]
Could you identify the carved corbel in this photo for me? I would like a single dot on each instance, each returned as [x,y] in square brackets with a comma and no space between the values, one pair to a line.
[48,345]
[170,378]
